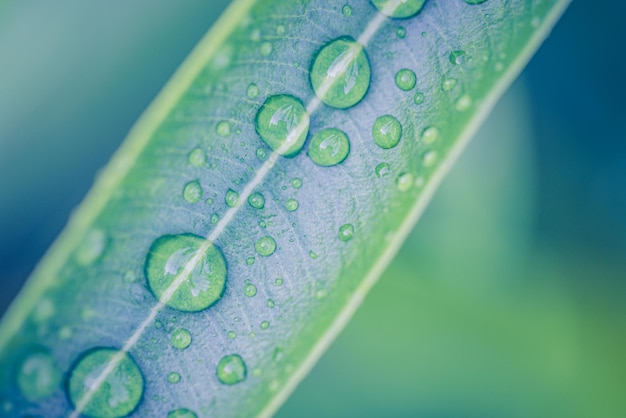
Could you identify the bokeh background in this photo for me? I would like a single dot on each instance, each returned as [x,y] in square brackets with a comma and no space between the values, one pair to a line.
[507,300]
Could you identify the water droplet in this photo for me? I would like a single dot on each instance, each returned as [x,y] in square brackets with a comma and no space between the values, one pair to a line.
[250,290]
[193,267]
[231,198]
[119,393]
[252,91]
[386,131]
[456,57]
[329,147]
[405,79]
[270,303]
[296,183]
[475,1]
[256,200]
[192,192]
[340,74]
[382,170]
[231,369]
[291,205]
[404,182]
[91,247]
[250,261]
[215,218]
[280,29]
[346,10]
[38,376]
[44,310]
[430,135]
[278,282]
[419,98]
[223,128]
[320,294]
[231,335]
[429,158]
[197,157]
[173,377]
[448,84]
[265,325]
[400,32]
[65,333]
[399,9]
[181,413]
[346,232]
[266,48]
[463,103]
[261,154]
[283,123]
[181,338]
[265,246]
[312,254]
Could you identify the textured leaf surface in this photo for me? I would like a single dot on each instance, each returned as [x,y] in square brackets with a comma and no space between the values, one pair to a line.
[196,198]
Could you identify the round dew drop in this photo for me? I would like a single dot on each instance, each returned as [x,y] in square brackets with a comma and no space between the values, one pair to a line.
[419,98]
[252,91]
[291,205]
[296,183]
[399,9]
[430,135]
[173,377]
[181,338]
[249,290]
[197,157]
[190,266]
[265,325]
[475,1]
[382,170]
[223,128]
[429,158]
[231,369]
[386,131]
[265,246]
[181,413]
[448,84]
[231,198]
[346,10]
[346,232]
[266,49]
[404,182]
[256,200]
[341,73]
[38,376]
[121,390]
[406,79]
[192,192]
[401,32]
[329,147]
[456,57]
[283,123]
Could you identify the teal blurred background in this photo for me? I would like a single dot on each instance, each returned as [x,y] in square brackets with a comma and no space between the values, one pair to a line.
[507,299]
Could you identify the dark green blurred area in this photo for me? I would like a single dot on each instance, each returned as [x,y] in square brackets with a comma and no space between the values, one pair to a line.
[506,301]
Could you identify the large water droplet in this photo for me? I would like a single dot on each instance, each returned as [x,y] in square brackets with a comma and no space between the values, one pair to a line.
[182,413]
[265,246]
[181,338]
[340,74]
[91,247]
[117,393]
[386,131]
[405,79]
[37,375]
[283,123]
[192,192]
[256,200]
[399,8]
[186,272]
[329,147]
[231,369]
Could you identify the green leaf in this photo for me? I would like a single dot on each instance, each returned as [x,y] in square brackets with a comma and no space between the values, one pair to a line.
[236,231]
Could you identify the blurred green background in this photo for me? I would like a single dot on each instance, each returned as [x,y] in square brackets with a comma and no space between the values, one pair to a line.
[507,299]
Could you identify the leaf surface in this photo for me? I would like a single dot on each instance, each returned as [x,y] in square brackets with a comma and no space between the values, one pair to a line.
[255,204]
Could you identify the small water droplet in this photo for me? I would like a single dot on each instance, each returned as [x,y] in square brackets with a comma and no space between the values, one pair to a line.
[250,290]
[266,48]
[278,354]
[37,375]
[406,79]
[265,246]
[91,247]
[280,29]
[419,98]
[256,200]
[265,325]
[223,128]
[291,205]
[197,157]
[231,335]
[399,9]
[346,232]
[429,158]
[192,192]
[182,413]
[250,261]
[386,131]
[320,294]
[448,84]
[404,182]
[463,103]
[261,154]
[120,392]
[173,377]
[341,73]
[215,218]
[382,170]
[278,282]
[196,265]
[401,32]
[430,135]
[346,10]
[296,183]
[231,369]
[231,198]
[312,254]
[181,338]
[270,303]
[65,333]
[252,91]
[283,123]
[329,147]
[456,57]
